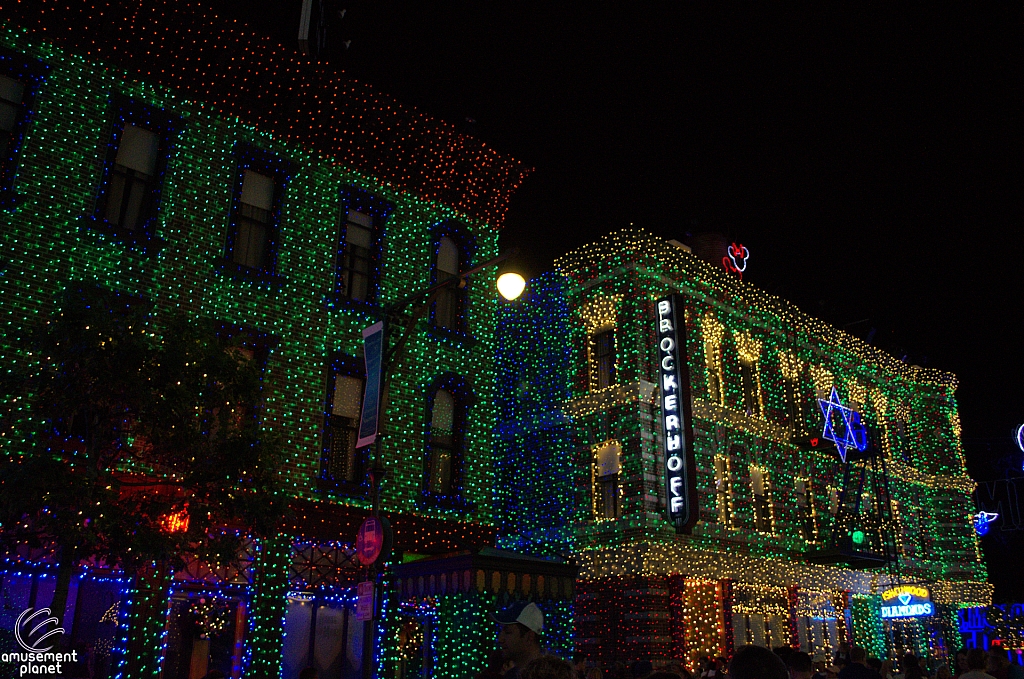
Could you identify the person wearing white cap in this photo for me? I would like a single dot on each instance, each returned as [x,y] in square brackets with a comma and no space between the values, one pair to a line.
[519,636]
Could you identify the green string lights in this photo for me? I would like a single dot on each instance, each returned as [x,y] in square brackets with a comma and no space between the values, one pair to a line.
[757,366]
[53,238]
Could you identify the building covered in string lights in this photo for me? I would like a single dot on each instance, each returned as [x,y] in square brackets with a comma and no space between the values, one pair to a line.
[180,158]
[787,539]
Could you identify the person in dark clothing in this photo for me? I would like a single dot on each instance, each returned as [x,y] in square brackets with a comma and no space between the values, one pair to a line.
[756,662]
[858,668]
[799,665]
[911,668]
[496,666]
[548,667]
[641,668]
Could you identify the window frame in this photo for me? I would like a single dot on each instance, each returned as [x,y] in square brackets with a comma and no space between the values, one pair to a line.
[599,483]
[793,395]
[281,170]
[261,344]
[126,111]
[353,199]
[592,357]
[724,502]
[807,513]
[32,74]
[467,250]
[342,364]
[761,504]
[750,387]
[464,399]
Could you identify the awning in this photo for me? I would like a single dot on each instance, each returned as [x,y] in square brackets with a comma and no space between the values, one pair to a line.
[494,571]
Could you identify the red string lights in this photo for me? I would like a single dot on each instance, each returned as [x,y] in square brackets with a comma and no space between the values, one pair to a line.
[246,75]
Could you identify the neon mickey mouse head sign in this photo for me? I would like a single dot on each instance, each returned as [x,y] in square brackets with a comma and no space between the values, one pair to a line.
[736,261]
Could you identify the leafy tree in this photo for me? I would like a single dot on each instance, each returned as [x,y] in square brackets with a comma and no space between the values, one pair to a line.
[151,445]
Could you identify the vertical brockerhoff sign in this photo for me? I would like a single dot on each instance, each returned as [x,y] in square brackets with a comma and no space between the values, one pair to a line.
[373,355]
[676,426]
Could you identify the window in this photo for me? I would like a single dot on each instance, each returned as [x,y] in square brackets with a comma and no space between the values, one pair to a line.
[451,257]
[139,145]
[256,207]
[602,359]
[358,263]
[251,349]
[763,512]
[254,221]
[751,384]
[442,443]
[363,217]
[606,480]
[133,179]
[723,490]
[448,399]
[447,307]
[713,332]
[342,463]
[806,514]
[12,99]
[20,79]
[794,411]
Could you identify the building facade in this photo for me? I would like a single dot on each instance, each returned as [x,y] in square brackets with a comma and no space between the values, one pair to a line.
[791,544]
[180,158]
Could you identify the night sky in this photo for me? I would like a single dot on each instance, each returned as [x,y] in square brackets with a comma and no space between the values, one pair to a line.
[869,156]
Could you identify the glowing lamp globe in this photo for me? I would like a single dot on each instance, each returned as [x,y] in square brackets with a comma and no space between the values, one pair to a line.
[511,285]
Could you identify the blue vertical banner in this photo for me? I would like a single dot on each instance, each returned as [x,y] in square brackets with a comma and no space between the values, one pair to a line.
[676,414]
[373,355]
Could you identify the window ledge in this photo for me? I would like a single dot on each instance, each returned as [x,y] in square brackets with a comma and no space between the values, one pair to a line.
[337,302]
[452,337]
[143,241]
[343,489]
[428,500]
[244,274]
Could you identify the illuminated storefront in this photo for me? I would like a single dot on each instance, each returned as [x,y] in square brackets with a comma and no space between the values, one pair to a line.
[782,408]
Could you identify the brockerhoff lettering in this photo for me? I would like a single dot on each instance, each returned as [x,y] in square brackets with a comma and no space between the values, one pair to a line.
[673,418]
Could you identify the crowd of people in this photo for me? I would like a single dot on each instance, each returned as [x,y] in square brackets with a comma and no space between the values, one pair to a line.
[519,656]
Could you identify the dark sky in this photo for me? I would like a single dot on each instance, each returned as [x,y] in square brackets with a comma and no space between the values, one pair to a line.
[868,155]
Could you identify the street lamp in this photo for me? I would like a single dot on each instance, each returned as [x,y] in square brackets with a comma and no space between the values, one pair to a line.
[510,286]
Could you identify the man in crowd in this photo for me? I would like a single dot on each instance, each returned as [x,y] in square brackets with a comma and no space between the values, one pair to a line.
[519,636]
[756,662]
[858,668]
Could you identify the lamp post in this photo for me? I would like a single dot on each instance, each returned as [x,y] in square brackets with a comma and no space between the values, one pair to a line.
[510,285]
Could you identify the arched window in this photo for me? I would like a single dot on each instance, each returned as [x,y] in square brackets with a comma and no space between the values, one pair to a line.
[749,350]
[447,403]
[713,332]
[451,258]
[606,480]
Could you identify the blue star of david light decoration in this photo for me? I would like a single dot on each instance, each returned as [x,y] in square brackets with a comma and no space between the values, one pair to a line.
[842,426]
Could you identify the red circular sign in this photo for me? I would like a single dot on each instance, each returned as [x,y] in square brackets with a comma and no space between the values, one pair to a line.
[370,540]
